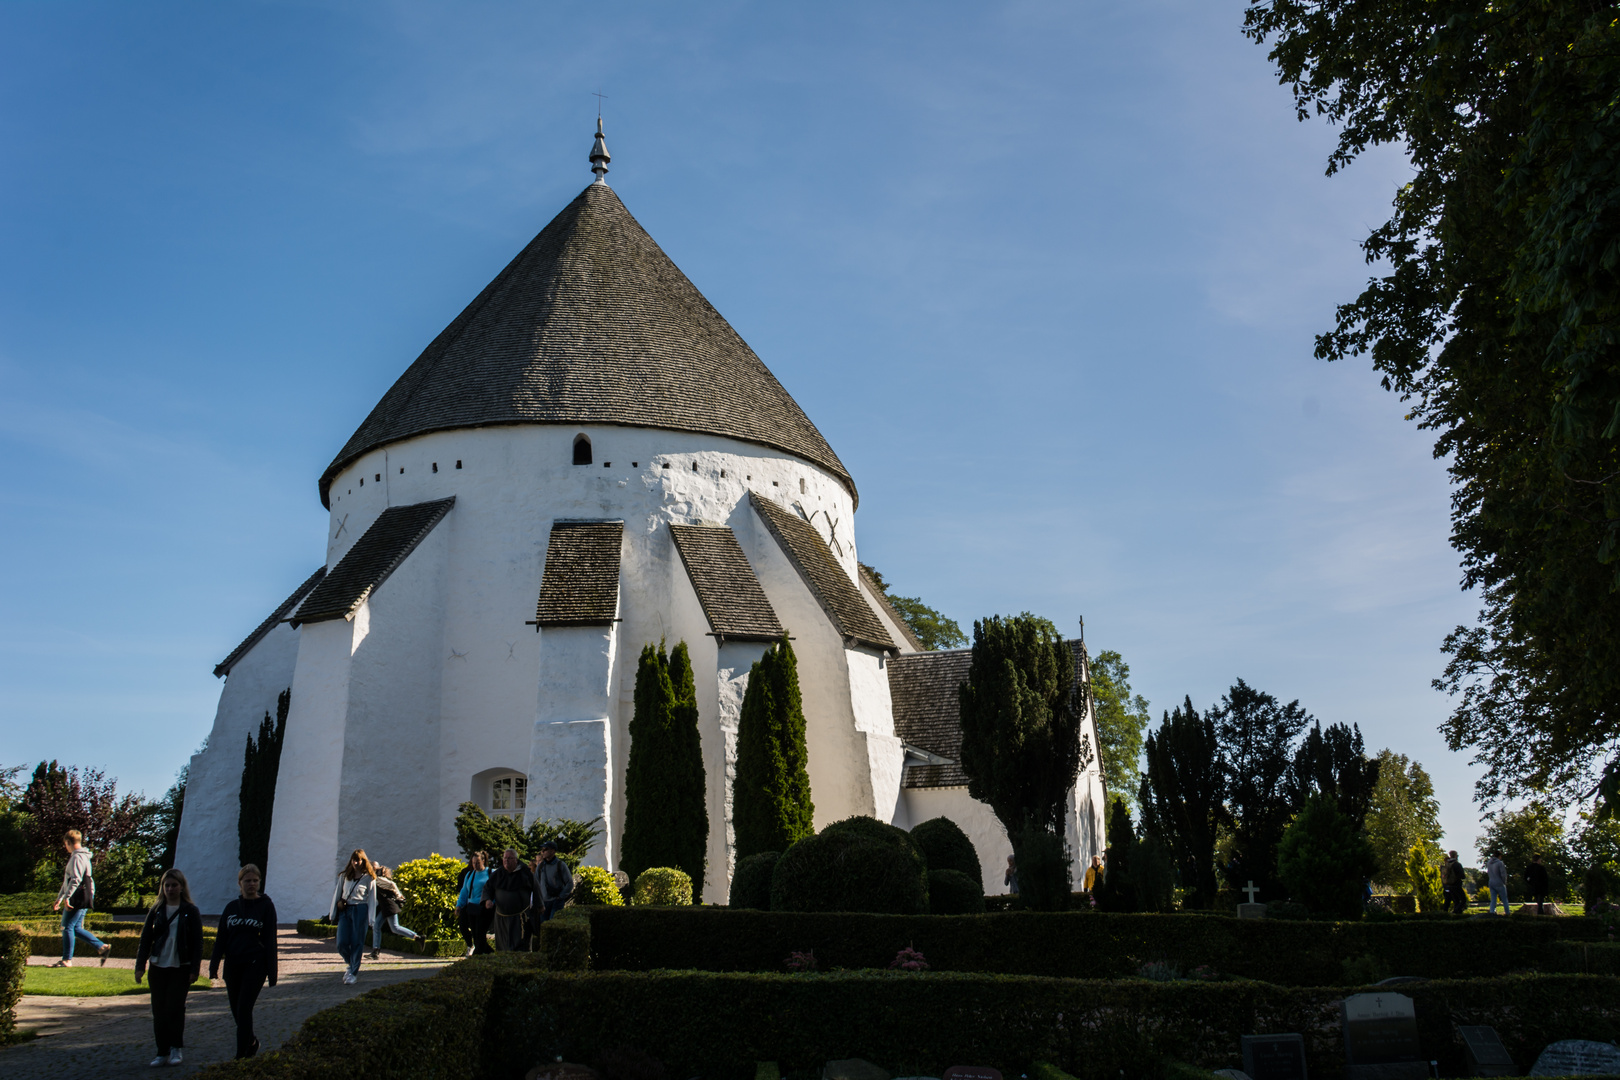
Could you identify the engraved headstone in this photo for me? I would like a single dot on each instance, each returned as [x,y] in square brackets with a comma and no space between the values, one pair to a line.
[1274,1057]
[1578,1057]
[971,1072]
[1381,1039]
[1251,910]
[1485,1052]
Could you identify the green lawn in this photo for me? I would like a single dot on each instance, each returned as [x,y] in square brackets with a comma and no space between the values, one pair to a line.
[87,982]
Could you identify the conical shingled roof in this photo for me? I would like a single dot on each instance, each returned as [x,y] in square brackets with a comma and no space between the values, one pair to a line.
[591,324]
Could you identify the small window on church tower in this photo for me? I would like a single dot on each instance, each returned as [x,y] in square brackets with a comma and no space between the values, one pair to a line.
[582,450]
[435,466]
[508,797]
[379,478]
[694,466]
[801,486]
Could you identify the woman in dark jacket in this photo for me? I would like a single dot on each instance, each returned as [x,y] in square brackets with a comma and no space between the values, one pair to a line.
[171,953]
[246,942]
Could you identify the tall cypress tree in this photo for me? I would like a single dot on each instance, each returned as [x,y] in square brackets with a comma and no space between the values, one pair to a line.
[261,763]
[771,804]
[1183,796]
[666,820]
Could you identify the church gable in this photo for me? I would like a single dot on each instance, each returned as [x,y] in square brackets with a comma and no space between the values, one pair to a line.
[730,594]
[580,584]
[269,624]
[377,554]
[833,589]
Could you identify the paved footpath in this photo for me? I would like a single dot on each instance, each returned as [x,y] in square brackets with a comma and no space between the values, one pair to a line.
[112,1036]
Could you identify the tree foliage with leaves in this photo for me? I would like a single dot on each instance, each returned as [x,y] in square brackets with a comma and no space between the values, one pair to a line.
[261,764]
[666,816]
[1121,717]
[772,807]
[1516,835]
[476,830]
[1334,763]
[1324,859]
[933,629]
[1497,315]
[1403,813]
[58,799]
[1183,796]
[1257,736]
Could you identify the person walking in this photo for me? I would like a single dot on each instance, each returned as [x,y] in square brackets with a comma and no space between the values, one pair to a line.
[170,956]
[1455,896]
[354,909]
[1535,880]
[246,942]
[78,892]
[471,915]
[1496,881]
[509,893]
[1094,876]
[390,902]
[555,881]
[1010,878]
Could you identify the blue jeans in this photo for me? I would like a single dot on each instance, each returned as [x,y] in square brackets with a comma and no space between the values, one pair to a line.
[389,924]
[1495,892]
[547,909]
[351,936]
[73,926]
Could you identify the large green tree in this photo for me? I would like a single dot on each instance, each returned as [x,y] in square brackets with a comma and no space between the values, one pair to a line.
[1122,717]
[1516,835]
[256,801]
[1334,763]
[1403,813]
[666,816]
[933,630]
[1257,735]
[1184,796]
[771,804]
[1494,312]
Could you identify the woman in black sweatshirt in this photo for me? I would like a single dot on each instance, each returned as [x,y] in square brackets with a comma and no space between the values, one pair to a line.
[171,943]
[247,943]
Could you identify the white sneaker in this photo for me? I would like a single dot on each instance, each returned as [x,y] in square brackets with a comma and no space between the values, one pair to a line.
[175,1056]
[161,1059]
[469,951]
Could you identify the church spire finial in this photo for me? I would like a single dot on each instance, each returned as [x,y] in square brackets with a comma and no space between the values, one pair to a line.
[599,155]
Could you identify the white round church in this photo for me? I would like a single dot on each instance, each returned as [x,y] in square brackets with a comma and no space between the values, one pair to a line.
[588,459]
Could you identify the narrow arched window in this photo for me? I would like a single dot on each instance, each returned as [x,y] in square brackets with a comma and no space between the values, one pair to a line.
[582,450]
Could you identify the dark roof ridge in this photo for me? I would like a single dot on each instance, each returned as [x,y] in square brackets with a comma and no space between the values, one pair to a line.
[727,588]
[591,323]
[833,589]
[236,654]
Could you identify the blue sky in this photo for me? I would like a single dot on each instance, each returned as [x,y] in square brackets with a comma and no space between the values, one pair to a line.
[1046,275]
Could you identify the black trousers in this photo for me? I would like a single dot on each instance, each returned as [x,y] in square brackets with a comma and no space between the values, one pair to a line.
[169,987]
[475,922]
[243,981]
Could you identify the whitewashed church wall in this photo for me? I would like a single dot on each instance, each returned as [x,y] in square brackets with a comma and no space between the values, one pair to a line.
[1087,836]
[898,636]
[734,662]
[692,626]
[840,784]
[572,749]
[874,726]
[304,832]
[974,818]
[207,848]
[391,734]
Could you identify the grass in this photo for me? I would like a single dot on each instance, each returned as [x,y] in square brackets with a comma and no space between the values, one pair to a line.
[87,982]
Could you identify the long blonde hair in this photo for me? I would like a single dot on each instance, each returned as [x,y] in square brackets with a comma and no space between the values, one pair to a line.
[185,889]
[359,855]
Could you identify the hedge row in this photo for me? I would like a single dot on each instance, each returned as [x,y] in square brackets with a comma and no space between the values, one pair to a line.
[323,931]
[124,945]
[13,965]
[1077,944]
[719,1026]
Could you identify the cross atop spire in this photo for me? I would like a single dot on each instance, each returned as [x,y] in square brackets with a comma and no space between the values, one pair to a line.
[599,155]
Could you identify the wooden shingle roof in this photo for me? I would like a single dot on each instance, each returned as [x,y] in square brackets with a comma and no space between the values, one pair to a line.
[924,691]
[591,324]
[225,665]
[377,554]
[580,584]
[732,599]
[837,594]
[882,600]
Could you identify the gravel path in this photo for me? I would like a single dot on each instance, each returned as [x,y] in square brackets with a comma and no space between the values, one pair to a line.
[112,1036]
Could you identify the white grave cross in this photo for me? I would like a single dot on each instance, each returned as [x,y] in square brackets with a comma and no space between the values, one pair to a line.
[1250,889]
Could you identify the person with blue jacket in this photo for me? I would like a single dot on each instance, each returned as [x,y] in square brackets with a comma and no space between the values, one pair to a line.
[472,916]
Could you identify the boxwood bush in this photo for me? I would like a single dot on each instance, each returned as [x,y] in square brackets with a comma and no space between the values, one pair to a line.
[14,946]
[751,883]
[951,892]
[946,847]
[662,885]
[858,864]
[594,885]
[430,890]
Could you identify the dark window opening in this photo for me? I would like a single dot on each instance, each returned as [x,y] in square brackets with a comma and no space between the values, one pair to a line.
[379,478]
[722,474]
[435,466]
[458,463]
[582,450]
[694,466]
[607,464]
[362,481]
[402,470]
[666,464]
[635,464]
[801,486]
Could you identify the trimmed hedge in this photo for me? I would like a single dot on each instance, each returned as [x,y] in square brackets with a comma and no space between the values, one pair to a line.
[124,945]
[322,931]
[662,885]
[751,884]
[13,965]
[594,885]
[316,928]
[918,1024]
[951,892]
[1080,944]
[858,864]
[946,847]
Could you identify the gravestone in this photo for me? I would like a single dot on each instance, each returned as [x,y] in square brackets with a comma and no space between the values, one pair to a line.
[1485,1052]
[1578,1057]
[1381,1039]
[1233,1074]
[1274,1057]
[971,1072]
[1251,910]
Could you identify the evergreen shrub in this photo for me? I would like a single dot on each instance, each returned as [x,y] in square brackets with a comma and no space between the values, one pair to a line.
[858,864]
[946,847]
[15,944]
[666,817]
[430,892]
[751,882]
[1324,860]
[594,885]
[771,804]
[662,885]
[951,892]
[1043,870]
[1427,889]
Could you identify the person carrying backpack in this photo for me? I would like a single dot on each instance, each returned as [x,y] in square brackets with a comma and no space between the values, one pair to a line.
[78,892]
[390,902]
[170,955]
